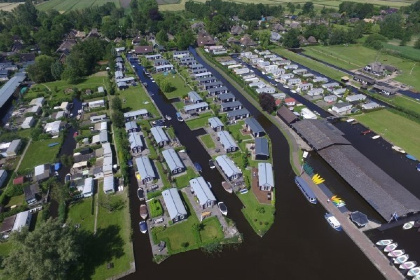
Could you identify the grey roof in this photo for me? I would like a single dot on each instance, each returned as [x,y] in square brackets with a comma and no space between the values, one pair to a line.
[159,134]
[287,115]
[22,219]
[135,140]
[227,165]
[172,159]
[173,203]
[265,174]
[202,190]
[231,104]
[136,113]
[379,189]
[196,106]
[10,87]
[225,96]
[211,90]
[254,125]
[227,140]
[131,125]
[364,78]
[14,145]
[237,113]
[194,96]
[103,136]
[215,122]
[31,192]
[206,80]
[319,133]
[109,183]
[261,146]
[196,66]
[214,84]
[342,104]
[144,167]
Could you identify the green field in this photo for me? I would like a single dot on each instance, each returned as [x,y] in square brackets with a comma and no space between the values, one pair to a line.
[67,5]
[404,51]
[400,131]
[39,153]
[156,208]
[236,129]
[82,212]
[135,98]
[181,89]
[183,180]
[199,122]
[359,56]
[405,102]
[208,141]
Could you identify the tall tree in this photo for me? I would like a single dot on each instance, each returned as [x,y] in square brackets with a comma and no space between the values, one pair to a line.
[267,102]
[40,71]
[290,39]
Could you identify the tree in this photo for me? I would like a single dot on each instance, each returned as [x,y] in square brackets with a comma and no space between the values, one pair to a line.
[267,102]
[290,39]
[162,36]
[291,7]
[116,104]
[48,252]
[308,7]
[417,44]
[265,39]
[118,118]
[40,71]
[56,70]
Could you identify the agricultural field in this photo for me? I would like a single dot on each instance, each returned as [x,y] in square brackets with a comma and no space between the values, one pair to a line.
[7,7]
[67,5]
[400,131]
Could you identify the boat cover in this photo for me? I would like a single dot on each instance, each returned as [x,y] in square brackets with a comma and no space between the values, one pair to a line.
[359,218]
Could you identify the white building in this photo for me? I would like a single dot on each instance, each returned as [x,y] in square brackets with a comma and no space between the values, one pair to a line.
[308,114]
[342,108]
[356,97]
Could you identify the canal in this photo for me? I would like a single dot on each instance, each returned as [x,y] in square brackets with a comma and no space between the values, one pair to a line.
[299,245]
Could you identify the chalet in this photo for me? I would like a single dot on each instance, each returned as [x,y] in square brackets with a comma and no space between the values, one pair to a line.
[304,87]
[159,135]
[201,190]
[88,189]
[253,126]
[330,98]
[96,104]
[160,62]
[13,148]
[293,81]
[163,68]
[136,144]
[216,84]
[198,71]
[246,41]
[133,115]
[109,184]
[283,62]
[262,151]
[315,92]
[180,54]
[342,108]
[203,75]
[338,91]
[216,124]
[330,85]
[274,36]
[53,128]
[100,138]
[238,114]
[320,80]
[300,71]
[145,169]
[226,97]
[174,205]
[153,57]
[268,89]
[32,194]
[173,161]
[217,91]
[98,118]
[196,107]
[131,126]
[265,176]
[188,60]
[370,105]
[355,97]
[230,106]
[195,66]
[207,80]
[291,67]
[241,71]
[290,101]
[285,77]
[142,50]
[228,167]
[194,97]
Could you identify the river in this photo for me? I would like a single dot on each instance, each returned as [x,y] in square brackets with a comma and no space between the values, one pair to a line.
[300,244]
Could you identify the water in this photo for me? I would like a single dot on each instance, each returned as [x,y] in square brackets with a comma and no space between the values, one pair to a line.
[299,245]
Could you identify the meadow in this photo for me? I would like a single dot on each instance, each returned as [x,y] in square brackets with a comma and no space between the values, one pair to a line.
[68,5]
[7,7]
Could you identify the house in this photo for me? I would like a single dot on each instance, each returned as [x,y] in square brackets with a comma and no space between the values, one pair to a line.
[339,91]
[246,41]
[330,98]
[291,67]
[356,97]
[197,66]
[241,71]
[290,101]
[180,54]
[13,148]
[194,97]
[330,85]
[36,110]
[364,79]
[228,167]
[153,56]
[275,37]
[3,177]
[173,161]
[315,92]
[300,71]
[196,107]
[312,40]
[160,61]
[212,85]
[293,81]
[28,123]
[320,80]
[370,105]
[99,118]
[23,219]
[226,97]
[253,126]
[205,74]
[96,104]
[32,194]
[174,205]
[187,61]
[385,89]
[142,50]
[106,149]
[217,90]
[202,191]
[236,30]
[285,77]
[267,89]
[159,135]
[342,108]
[136,144]
[133,115]
[230,106]
[265,176]
[278,27]
[7,225]
[131,126]
[145,169]
[87,190]
[261,149]
[227,141]
[107,165]
[216,124]
[304,86]
[100,138]
[163,68]
[206,80]
[287,115]
[238,114]
[53,128]
[42,172]
[109,184]
[198,71]
[307,114]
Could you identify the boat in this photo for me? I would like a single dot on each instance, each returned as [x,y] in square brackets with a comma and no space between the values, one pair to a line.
[417,223]
[168,117]
[198,167]
[53,144]
[417,277]
[140,194]
[243,191]
[334,223]
[182,151]
[350,120]
[384,242]
[408,225]
[376,136]
[143,211]
[408,265]
[211,164]
[391,247]
[222,208]
[401,259]
[143,227]
[396,253]
[227,187]
[366,132]
[415,271]
[418,167]
[306,190]
[398,149]
[411,157]
[179,117]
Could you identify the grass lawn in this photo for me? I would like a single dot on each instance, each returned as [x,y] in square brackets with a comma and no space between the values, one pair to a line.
[156,208]
[16,200]
[236,129]
[405,51]
[324,55]
[163,177]
[260,216]
[153,154]
[136,98]
[208,142]
[5,248]
[178,105]
[183,180]
[405,102]
[312,64]
[212,230]
[67,5]
[400,131]
[199,122]
[39,153]
[177,82]
[82,212]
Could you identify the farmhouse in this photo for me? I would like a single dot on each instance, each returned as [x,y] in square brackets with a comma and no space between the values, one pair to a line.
[159,135]
[227,141]
[174,205]
[228,167]
[216,124]
[175,165]
[145,169]
[265,176]
[254,127]
[203,193]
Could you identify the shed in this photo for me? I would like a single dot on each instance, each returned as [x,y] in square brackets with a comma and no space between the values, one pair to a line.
[109,184]
[173,161]
[19,180]
[286,115]
[265,176]
[202,191]
[174,205]
[262,152]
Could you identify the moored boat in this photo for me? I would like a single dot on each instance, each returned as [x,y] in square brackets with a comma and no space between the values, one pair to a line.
[143,211]
[334,223]
[222,208]
[143,227]
[417,277]
[376,137]
[140,194]
[411,157]
[168,117]
[384,242]
[396,253]
[398,149]
[401,259]
[415,271]
[417,223]
[408,225]
[227,187]
[408,265]
[418,167]
[391,247]
[306,190]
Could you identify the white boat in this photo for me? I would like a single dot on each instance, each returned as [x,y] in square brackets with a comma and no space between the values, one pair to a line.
[222,208]
[168,117]
[408,225]
[384,242]
[415,271]
[408,265]
[350,120]
[396,253]
[398,149]
[334,223]
[391,247]
[376,137]
[401,259]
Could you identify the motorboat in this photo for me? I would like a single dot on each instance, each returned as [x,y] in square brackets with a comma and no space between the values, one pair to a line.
[222,208]
[396,253]
[408,225]
[366,132]
[168,117]
[398,149]
[227,187]
[408,265]
[401,259]
[140,194]
[418,167]
[143,227]
[350,120]
[306,190]
[334,223]
[143,211]
[390,247]
[243,191]
[198,167]
[411,157]
[384,242]
[415,271]
[211,164]
[376,137]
